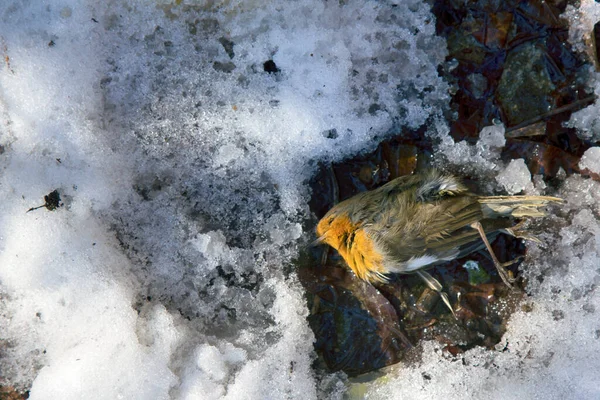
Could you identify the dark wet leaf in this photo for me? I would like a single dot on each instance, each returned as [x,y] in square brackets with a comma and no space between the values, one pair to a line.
[521,48]
[52,200]
[494,30]
[541,158]
[543,12]
[357,329]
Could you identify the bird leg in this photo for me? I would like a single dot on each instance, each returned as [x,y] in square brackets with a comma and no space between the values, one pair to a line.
[435,285]
[519,232]
[501,267]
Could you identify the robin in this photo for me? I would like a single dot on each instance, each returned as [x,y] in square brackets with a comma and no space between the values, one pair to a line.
[415,222]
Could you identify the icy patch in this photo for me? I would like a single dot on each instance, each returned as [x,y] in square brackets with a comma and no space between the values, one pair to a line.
[180,137]
[479,160]
[278,374]
[213,247]
[482,161]
[471,265]
[581,29]
[491,140]
[583,193]
[581,23]
[271,88]
[587,120]
[515,178]
[484,155]
[281,230]
[591,160]
[227,154]
[205,377]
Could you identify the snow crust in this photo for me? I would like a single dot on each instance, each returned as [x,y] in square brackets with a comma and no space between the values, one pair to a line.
[581,30]
[516,177]
[180,136]
[591,160]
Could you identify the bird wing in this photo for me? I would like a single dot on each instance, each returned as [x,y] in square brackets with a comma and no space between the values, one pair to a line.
[436,231]
[423,220]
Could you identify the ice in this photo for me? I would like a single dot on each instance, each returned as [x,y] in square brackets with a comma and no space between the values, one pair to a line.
[583,193]
[491,140]
[586,120]
[538,182]
[213,247]
[481,160]
[281,231]
[591,160]
[515,178]
[182,165]
[581,35]
[484,155]
[581,23]
[180,137]
[471,265]
[227,154]
[206,378]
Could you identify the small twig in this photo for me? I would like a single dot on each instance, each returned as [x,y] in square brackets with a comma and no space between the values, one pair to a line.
[52,202]
[559,110]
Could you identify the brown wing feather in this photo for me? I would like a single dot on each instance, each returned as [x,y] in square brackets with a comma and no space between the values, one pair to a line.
[438,229]
[442,227]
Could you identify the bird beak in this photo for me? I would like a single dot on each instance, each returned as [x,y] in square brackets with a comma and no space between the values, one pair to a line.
[318,241]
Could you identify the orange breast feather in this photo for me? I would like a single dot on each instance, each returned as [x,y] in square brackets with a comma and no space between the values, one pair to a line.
[354,245]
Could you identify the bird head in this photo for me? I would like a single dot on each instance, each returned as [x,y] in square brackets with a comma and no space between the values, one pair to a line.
[335,230]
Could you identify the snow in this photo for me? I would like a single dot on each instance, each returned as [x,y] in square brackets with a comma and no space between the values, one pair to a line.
[591,160]
[182,165]
[581,31]
[516,177]
[483,157]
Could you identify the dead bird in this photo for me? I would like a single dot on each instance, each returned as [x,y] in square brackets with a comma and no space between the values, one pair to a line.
[415,222]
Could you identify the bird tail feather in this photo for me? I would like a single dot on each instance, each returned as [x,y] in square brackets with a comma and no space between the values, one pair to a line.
[516,206]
